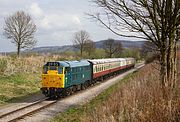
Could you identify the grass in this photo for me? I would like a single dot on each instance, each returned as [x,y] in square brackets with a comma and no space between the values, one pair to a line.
[138,98]
[21,76]
[75,114]
[18,85]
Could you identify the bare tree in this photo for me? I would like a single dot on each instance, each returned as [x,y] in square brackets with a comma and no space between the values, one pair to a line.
[20,28]
[119,49]
[148,48]
[80,39]
[111,47]
[153,20]
[90,47]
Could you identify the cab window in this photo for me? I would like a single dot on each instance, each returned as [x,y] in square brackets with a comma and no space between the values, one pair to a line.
[45,69]
[52,68]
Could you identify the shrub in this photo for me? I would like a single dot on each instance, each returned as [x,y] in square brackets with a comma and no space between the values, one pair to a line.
[140,100]
[3,65]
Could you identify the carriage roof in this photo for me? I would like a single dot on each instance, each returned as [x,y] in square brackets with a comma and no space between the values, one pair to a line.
[107,60]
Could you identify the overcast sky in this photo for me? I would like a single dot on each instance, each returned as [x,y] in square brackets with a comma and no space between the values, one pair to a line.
[56,20]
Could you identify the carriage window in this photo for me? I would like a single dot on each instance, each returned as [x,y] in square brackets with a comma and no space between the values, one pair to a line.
[79,69]
[74,77]
[86,68]
[72,70]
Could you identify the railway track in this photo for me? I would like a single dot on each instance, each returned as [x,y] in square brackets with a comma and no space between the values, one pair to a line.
[30,109]
[35,107]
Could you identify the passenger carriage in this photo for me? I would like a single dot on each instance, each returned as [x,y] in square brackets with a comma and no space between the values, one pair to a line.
[104,67]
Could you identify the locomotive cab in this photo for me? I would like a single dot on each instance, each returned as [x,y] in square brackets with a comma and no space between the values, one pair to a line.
[52,78]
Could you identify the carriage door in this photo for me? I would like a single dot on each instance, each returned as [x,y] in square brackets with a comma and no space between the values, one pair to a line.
[68,76]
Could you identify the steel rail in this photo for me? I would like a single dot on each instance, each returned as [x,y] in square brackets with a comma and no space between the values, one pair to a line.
[32,112]
[22,108]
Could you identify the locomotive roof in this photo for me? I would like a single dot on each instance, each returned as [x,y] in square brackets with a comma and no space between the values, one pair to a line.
[107,60]
[74,63]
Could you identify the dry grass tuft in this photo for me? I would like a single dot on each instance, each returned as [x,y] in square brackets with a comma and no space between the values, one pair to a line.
[20,65]
[33,64]
[20,76]
[141,99]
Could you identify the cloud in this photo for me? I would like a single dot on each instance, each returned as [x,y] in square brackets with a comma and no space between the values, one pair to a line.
[60,21]
[76,20]
[54,20]
[44,23]
[36,11]
[57,26]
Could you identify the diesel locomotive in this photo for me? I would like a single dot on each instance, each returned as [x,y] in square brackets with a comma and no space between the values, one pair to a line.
[61,78]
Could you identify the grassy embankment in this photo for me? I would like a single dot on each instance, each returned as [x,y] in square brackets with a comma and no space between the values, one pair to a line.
[138,97]
[20,77]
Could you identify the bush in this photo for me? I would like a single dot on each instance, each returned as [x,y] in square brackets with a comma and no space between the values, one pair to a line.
[134,52]
[140,100]
[3,65]
[151,58]
[13,65]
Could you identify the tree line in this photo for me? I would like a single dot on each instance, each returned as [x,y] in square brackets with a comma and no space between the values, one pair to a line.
[83,42]
[20,28]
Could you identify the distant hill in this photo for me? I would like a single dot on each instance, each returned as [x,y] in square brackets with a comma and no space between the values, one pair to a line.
[125,44]
[52,49]
[99,44]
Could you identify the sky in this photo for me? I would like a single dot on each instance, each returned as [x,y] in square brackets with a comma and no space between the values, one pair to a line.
[56,21]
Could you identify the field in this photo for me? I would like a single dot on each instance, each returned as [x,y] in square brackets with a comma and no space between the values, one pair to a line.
[138,97]
[20,77]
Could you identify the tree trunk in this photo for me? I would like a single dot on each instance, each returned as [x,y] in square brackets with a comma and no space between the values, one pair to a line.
[89,53]
[171,61]
[168,62]
[81,51]
[110,55]
[163,68]
[18,50]
[175,66]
